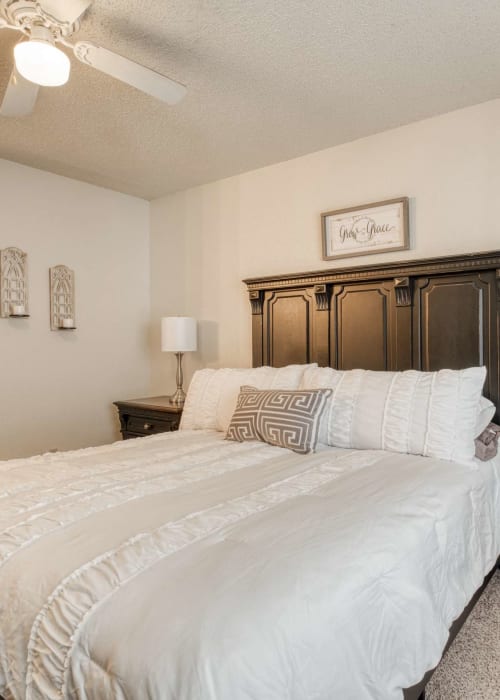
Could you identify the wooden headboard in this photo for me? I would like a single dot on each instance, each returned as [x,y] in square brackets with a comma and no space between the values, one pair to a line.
[418,314]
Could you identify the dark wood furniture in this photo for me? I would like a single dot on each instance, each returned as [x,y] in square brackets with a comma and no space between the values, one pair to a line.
[417,314]
[139,417]
[421,314]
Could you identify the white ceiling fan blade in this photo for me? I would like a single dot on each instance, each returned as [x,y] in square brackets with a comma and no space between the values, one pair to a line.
[64,10]
[19,98]
[140,77]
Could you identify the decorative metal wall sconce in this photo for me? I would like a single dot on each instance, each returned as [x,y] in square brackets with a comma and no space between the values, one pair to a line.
[14,301]
[62,298]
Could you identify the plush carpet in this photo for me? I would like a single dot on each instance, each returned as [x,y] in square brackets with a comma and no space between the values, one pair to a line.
[470,669]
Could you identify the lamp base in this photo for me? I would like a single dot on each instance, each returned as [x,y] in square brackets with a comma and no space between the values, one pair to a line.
[178,398]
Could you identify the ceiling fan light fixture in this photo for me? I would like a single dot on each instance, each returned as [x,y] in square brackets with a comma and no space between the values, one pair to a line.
[40,61]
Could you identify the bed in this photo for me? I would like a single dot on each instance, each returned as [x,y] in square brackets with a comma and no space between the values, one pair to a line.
[188,566]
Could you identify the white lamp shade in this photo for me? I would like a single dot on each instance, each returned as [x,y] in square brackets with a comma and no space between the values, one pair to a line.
[41,62]
[178,334]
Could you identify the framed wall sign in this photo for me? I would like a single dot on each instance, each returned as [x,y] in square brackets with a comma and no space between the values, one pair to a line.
[364,230]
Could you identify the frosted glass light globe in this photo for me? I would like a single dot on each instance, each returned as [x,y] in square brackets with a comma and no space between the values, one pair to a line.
[39,61]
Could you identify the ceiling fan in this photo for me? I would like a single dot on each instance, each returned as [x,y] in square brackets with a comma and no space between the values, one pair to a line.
[38,61]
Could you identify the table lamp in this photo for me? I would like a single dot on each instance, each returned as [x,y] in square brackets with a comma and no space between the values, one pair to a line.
[178,335]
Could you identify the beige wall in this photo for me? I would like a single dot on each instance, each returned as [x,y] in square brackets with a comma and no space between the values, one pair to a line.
[192,249]
[204,241]
[57,387]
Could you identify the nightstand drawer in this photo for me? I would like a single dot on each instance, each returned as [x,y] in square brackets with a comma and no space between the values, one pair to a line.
[148,416]
[144,425]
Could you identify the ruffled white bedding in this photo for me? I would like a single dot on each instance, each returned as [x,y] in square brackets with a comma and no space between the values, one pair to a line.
[186,567]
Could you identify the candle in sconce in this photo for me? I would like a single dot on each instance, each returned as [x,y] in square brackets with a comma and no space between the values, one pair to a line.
[17,309]
[67,323]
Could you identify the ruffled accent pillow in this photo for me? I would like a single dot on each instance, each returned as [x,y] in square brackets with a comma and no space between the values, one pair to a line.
[212,393]
[279,417]
[424,413]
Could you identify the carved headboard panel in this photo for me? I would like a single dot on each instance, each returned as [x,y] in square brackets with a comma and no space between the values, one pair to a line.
[421,314]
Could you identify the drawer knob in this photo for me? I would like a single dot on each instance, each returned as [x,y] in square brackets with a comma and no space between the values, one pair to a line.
[148,426]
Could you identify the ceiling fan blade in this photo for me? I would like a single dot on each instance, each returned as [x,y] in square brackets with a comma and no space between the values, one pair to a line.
[19,98]
[140,77]
[64,10]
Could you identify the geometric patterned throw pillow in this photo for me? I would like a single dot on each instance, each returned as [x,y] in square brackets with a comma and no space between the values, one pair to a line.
[279,417]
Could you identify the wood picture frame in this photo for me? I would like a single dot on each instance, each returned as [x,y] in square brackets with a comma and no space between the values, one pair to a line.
[379,227]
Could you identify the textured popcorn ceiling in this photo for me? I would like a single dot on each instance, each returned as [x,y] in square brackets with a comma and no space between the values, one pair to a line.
[268,80]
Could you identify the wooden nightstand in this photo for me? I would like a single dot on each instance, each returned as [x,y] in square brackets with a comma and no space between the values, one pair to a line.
[139,417]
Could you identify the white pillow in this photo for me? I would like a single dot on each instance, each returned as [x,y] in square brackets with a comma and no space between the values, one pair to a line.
[213,393]
[485,415]
[428,413]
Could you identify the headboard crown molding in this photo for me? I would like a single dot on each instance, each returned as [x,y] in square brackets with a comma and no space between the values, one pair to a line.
[402,268]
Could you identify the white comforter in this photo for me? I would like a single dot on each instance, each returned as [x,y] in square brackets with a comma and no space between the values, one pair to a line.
[186,567]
